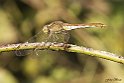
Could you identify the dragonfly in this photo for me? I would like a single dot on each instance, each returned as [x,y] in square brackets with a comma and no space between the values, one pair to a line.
[59,28]
[58,31]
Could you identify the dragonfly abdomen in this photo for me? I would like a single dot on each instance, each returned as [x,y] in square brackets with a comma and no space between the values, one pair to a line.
[76,26]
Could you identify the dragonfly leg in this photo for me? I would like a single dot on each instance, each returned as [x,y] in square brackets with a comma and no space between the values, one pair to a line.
[49,36]
[35,51]
[66,37]
[56,38]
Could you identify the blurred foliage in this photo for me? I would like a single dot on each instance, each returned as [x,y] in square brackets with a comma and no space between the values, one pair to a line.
[21,19]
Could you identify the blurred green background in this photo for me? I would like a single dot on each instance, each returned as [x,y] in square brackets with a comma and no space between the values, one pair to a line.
[21,19]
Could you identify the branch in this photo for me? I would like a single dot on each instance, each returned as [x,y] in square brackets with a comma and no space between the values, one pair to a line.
[65,47]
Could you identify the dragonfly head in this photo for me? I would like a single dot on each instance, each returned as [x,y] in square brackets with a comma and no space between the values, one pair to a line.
[46,29]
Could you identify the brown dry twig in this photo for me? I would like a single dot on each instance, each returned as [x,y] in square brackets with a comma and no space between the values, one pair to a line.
[65,47]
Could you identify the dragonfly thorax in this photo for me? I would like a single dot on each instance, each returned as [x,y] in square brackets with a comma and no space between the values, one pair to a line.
[54,27]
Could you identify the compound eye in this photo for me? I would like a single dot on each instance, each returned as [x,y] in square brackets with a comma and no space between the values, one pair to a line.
[46,29]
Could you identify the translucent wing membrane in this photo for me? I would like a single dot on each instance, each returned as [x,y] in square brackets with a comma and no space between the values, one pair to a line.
[51,37]
[43,37]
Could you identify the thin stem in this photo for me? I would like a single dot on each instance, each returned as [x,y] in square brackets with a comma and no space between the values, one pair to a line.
[65,47]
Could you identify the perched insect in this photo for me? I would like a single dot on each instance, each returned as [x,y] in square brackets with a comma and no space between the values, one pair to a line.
[58,31]
[59,28]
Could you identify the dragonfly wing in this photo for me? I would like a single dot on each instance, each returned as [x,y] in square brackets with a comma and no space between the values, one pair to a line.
[59,37]
[39,37]
[66,36]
